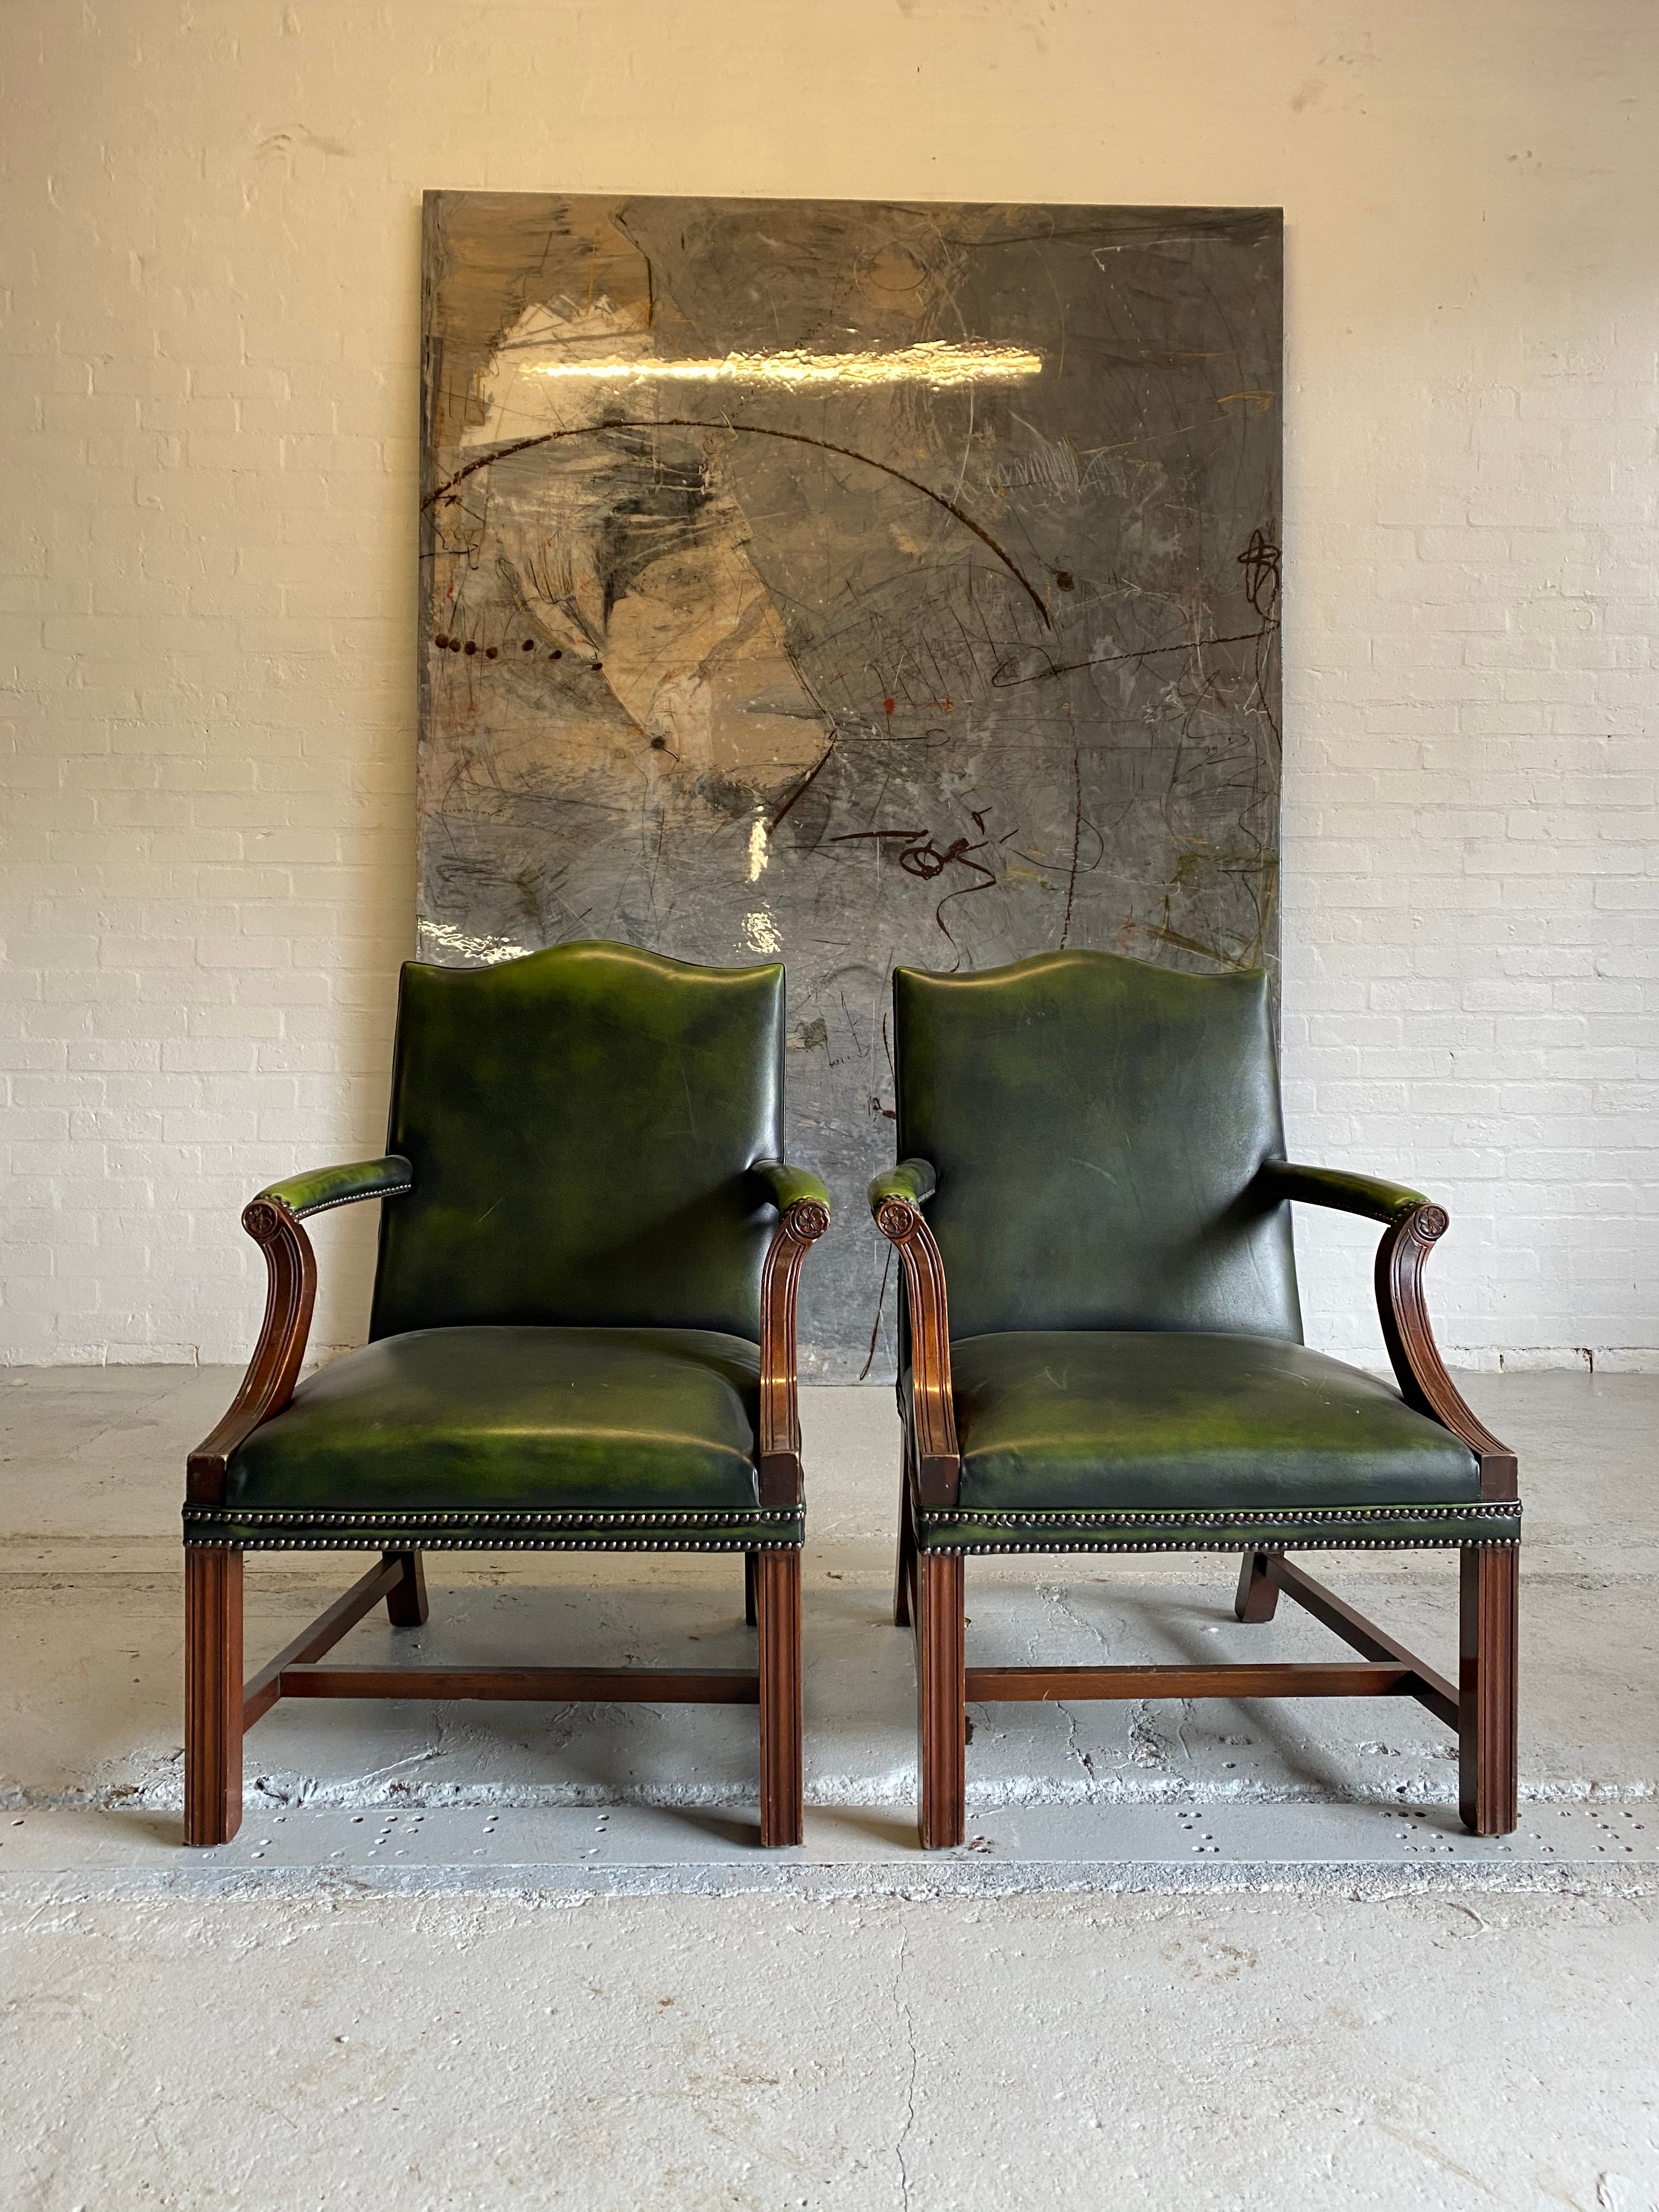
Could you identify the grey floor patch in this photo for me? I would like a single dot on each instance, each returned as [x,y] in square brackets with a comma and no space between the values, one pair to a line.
[631,1851]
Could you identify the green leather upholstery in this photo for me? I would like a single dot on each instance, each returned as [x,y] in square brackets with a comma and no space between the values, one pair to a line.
[580,1126]
[565,1338]
[1336,1188]
[624,1438]
[1097,1126]
[913,1180]
[1099,1147]
[1090,1438]
[321,1188]
[787,1186]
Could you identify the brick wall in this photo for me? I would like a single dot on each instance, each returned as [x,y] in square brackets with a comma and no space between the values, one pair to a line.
[207,572]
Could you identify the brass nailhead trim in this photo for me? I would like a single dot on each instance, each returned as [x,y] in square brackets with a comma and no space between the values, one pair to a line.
[580,1516]
[371,1542]
[1251,1544]
[222,1528]
[1141,1517]
[351,1198]
[1282,1531]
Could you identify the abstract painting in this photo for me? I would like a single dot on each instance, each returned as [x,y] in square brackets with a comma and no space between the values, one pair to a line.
[855,583]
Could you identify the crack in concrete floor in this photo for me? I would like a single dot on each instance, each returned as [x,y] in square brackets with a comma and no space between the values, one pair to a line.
[1181,2054]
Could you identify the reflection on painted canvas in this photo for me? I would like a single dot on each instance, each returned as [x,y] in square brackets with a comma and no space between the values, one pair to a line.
[858,584]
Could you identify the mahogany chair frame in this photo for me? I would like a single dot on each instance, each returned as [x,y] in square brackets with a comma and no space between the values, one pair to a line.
[220,1707]
[930,1593]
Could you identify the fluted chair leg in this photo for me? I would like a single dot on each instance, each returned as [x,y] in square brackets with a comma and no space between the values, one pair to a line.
[777,1594]
[213,1693]
[941,1699]
[904,1574]
[1487,1747]
[1257,1597]
[405,1604]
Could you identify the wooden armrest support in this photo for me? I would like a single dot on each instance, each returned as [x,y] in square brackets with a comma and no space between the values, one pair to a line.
[1417,1366]
[272,1219]
[933,1418]
[800,1226]
[1414,1226]
[290,1294]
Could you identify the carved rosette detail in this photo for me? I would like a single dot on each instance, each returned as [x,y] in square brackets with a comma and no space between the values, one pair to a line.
[261,1219]
[1431,1221]
[895,1218]
[800,1226]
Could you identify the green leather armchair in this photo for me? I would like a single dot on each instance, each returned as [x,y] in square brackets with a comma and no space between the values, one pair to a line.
[1091,1156]
[582,1338]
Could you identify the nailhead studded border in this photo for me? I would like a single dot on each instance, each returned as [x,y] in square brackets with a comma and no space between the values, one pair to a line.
[350,1197]
[582,1516]
[369,1541]
[506,1531]
[1248,1544]
[1134,1517]
[1278,1532]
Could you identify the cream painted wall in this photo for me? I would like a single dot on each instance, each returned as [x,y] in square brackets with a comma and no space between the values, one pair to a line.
[209,261]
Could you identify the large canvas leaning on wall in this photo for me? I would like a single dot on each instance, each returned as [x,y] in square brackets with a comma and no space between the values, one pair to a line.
[855,583]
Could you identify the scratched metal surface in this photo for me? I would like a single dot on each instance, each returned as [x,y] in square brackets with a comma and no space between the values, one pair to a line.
[948,637]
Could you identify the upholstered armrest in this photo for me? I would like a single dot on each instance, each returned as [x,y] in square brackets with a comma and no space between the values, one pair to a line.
[272,1219]
[803,1205]
[896,1199]
[321,1188]
[913,1180]
[787,1187]
[1345,1192]
[1415,1225]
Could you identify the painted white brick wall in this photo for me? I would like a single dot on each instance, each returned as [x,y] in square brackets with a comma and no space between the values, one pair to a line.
[207,601]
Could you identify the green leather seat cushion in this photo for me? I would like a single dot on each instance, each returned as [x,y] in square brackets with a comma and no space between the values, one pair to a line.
[648,1434]
[1098,1435]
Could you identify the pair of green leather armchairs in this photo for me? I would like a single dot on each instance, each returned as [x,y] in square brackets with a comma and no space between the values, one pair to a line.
[583,1338]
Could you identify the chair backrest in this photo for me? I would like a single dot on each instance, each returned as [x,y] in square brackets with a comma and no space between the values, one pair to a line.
[581,1123]
[1096,1124]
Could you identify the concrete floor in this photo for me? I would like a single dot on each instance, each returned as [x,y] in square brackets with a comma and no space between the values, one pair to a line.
[1213,1955]
[753,2051]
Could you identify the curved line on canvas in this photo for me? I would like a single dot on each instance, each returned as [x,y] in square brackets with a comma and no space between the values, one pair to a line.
[752,430]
